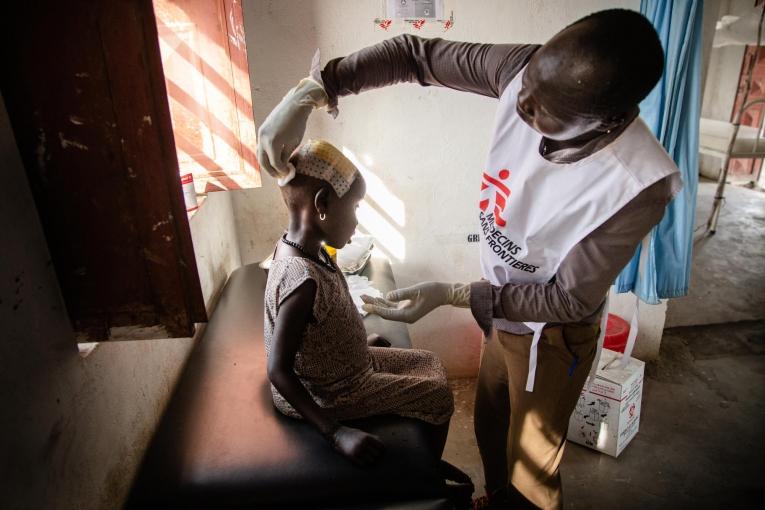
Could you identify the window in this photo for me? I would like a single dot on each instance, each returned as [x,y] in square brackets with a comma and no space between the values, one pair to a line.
[205,66]
[84,89]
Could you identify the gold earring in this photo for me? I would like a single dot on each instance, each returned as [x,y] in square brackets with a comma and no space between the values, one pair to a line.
[322,216]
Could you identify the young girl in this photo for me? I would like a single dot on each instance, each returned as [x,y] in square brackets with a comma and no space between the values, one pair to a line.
[319,362]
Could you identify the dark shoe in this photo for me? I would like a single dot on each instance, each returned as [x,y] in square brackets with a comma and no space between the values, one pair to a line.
[497,500]
[459,486]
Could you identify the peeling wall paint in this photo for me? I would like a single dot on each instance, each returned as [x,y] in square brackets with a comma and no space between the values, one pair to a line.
[66,143]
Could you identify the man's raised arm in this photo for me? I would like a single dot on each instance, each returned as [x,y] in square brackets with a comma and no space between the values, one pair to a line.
[471,67]
[484,69]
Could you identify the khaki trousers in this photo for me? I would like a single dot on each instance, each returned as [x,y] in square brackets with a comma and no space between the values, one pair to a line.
[521,435]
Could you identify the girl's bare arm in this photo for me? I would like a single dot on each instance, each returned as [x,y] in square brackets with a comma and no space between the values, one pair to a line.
[294,314]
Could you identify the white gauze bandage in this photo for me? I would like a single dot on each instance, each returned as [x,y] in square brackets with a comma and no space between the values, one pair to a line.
[322,160]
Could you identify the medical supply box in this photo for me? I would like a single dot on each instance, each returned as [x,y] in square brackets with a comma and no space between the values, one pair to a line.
[607,416]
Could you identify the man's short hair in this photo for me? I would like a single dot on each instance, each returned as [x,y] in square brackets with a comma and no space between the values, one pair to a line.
[627,40]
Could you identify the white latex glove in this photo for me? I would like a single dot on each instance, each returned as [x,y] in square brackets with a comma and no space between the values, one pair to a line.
[413,303]
[283,130]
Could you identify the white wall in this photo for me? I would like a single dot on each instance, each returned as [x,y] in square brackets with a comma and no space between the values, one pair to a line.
[73,429]
[711,10]
[216,246]
[427,145]
[724,69]
[722,77]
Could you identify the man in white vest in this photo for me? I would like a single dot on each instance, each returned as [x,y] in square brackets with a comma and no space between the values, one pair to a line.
[573,182]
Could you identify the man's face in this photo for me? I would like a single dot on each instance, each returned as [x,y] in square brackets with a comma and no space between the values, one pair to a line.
[557,90]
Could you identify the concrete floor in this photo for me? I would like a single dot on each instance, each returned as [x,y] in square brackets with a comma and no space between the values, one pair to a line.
[728,273]
[700,442]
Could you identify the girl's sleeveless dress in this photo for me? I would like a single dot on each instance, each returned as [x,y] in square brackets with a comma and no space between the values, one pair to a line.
[346,377]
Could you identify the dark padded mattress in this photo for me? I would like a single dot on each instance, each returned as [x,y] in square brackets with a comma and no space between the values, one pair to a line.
[222,444]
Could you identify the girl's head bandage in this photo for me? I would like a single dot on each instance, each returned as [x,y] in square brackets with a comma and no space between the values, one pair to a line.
[322,160]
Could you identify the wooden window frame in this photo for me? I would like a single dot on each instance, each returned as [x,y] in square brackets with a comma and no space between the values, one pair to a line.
[84,89]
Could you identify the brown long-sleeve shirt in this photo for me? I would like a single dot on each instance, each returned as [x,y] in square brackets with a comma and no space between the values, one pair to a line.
[578,289]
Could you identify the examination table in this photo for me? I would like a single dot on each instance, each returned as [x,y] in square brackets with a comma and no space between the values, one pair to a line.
[222,444]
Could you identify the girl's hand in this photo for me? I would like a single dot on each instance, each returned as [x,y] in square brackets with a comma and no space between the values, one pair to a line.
[375,340]
[356,445]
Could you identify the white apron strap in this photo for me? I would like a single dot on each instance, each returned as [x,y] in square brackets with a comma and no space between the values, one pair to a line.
[537,327]
[644,250]
[601,341]
[632,336]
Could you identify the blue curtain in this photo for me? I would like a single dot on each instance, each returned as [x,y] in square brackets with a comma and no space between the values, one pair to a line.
[672,111]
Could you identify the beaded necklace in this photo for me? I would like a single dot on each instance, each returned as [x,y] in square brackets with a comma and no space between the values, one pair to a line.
[301,249]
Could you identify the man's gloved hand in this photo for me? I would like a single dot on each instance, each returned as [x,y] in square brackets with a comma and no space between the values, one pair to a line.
[283,130]
[412,303]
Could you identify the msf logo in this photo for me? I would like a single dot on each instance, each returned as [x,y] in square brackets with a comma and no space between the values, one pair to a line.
[499,196]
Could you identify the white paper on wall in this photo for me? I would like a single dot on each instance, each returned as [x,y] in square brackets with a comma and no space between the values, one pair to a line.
[411,9]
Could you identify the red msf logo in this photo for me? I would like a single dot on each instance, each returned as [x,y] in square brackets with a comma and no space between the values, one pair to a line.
[501,194]
[632,410]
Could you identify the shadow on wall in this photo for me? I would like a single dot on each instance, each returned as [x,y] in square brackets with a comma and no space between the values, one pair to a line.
[281,38]
[381,214]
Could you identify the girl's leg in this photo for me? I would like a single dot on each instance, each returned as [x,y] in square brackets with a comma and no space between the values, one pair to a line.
[438,439]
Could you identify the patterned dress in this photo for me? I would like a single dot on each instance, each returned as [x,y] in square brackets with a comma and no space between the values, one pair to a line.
[346,377]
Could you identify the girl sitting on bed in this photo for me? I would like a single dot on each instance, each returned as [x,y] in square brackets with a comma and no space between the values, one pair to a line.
[319,362]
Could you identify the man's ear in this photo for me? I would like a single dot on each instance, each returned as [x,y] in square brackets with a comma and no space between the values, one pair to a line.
[321,200]
[614,122]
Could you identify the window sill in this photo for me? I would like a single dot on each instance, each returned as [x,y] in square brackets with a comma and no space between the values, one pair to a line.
[200,200]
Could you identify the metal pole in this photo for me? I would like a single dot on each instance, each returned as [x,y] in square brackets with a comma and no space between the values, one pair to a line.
[720,193]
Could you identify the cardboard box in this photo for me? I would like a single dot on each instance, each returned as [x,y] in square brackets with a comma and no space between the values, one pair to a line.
[607,415]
